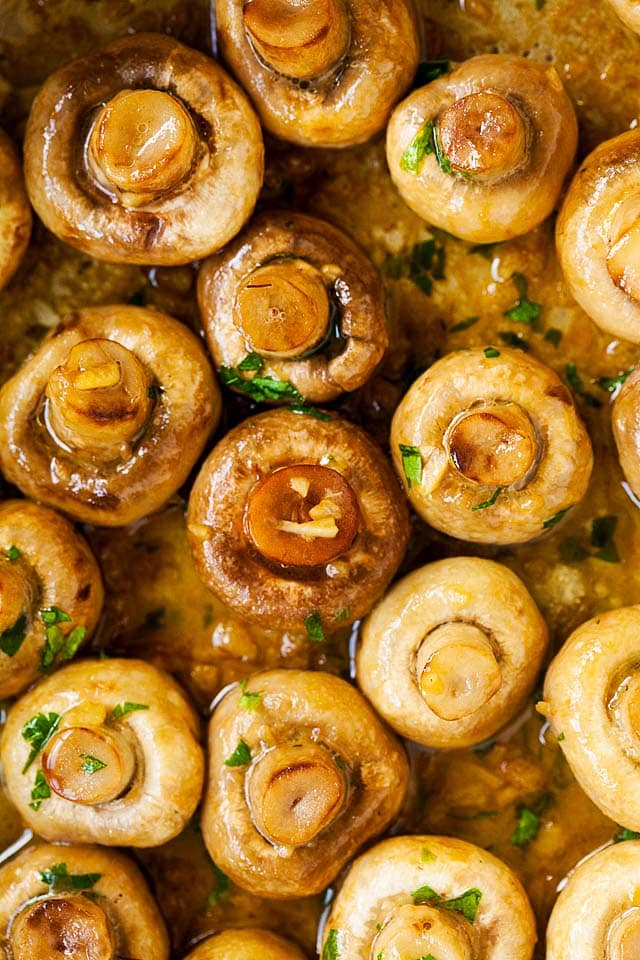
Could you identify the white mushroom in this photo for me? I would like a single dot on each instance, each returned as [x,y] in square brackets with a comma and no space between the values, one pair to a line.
[15,212]
[245,945]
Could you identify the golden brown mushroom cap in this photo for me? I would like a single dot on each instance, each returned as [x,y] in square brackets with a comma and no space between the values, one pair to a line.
[108,416]
[291,516]
[504,137]
[321,72]
[625,420]
[629,13]
[245,945]
[317,777]
[143,152]
[495,447]
[297,291]
[15,212]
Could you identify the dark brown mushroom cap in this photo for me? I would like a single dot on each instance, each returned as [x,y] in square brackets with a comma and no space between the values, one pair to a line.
[348,357]
[55,568]
[245,944]
[282,596]
[184,409]
[350,101]
[313,710]
[202,212]
[15,212]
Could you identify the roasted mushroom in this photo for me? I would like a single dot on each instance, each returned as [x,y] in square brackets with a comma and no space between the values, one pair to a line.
[50,593]
[78,902]
[297,522]
[143,152]
[598,236]
[104,751]
[592,700]
[427,897]
[109,415]
[625,420]
[15,212]
[245,945]
[452,652]
[490,446]
[629,13]
[483,151]
[597,914]
[321,72]
[301,774]
[295,300]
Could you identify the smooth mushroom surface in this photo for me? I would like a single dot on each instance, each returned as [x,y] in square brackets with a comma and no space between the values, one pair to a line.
[629,13]
[625,420]
[78,903]
[321,72]
[15,212]
[421,896]
[109,415]
[490,446]
[298,298]
[51,593]
[144,151]
[104,751]
[452,652]
[245,945]
[301,775]
[592,701]
[597,914]
[482,152]
[598,236]
[292,518]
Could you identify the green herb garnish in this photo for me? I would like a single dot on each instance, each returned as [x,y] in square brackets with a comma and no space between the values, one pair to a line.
[122,709]
[13,637]
[529,821]
[13,554]
[252,361]
[260,389]
[524,310]
[58,878]
[430,70]
[575,382]
[249,701]
[602,532]
[420,147]
[463,325]
[466,904]
[624,834]
[41,791]
[37,732]
[426,856]
[491,352]
[611,384]
[556,518]
[222,884]
[91,765]
[411,464]
[553,336]
[514,340]
[490,502]
[240,757]
[330,950]
[313,625]
[304,408]
[57,645]
[343,614]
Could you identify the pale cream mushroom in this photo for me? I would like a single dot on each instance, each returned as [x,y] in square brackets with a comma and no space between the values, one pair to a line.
[104,751]
[625,420]
[109,415]
[245,945]
[321,72]
[15,212]
[78,903]
[301,774]
[592,700]
[421,896]
[629,13]
[490,446]
[144,151]
[452,652]
[483,151]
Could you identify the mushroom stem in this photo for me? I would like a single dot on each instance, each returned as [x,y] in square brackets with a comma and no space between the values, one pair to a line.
[98,400]
[302,39]
[16,594]
[494,445]
[483,135]
[623,939]
[624,710]
[142,144]
[457,670]
[423,931]
[622,258]
[63,926]
[89,765]
[294,792]
[282,308]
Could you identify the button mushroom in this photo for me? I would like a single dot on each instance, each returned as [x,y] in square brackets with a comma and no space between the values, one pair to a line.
[297,522]
[625,420]
[15,212]
[89,755]
[294,299]
[430,897]
[490,446]
[592,700]
[321,72]
[483,151]
[78,902]
[107,418]
[143,152]
[245,945]
[598,236]
[452,652]
[301,774]
[50,593]
[597,913]
[629,13]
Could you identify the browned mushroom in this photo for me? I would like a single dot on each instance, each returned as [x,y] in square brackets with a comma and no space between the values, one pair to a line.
[50,593]
[143,152]
[15,212]
[293,299]
[301,774]
[629,13]
[625,420]
[483,151]
[321,72]
[245,945]
[296,521]
[109,415]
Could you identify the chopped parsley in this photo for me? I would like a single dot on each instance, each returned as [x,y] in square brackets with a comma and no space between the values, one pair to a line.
[467,903]
[260,389]
[13,554]
[420,147]
[343,614]
[553,336]
[560,737]
[58,878]
[425,264]
[122,709]
[611,384]
[13,637]
[411,464]
[222,884]
[463,325]
[37,732]
[556,518]
[57,645]
[575,382]
[624,834]
[426,856]
[490,502]
[330,951]
[91,765]
[304,408]
[515,340]
[41,791]
[430,70]
[529,821]
[524,310]
[602,533]
[313,626]
[240,757]
[249,701]
[491,352]
[252,361]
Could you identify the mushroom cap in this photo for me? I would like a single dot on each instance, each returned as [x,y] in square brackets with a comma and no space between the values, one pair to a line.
[15,212]
[625,420]
[187,224]
[245,944]
[629,13]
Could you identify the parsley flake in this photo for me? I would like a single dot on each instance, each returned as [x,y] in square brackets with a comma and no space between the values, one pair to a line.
[625,834]
[420,147]
[222,884]
[490,502]
[91,765]
[37,732]
[13,637]
[491,352]
[58,878]
[122,709]
[331,950]
[313,626]
[249,701]
[13,554]
[240,757]
[514,340]
[411,464]
[575,382]
[430,70]
[57,645]
[260,389]
[556,518]
[252,361]
[529,821]
[602,532]
[463,325]
[612,384]
[467,903]
[41,791]
[524,310]
[553,336]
